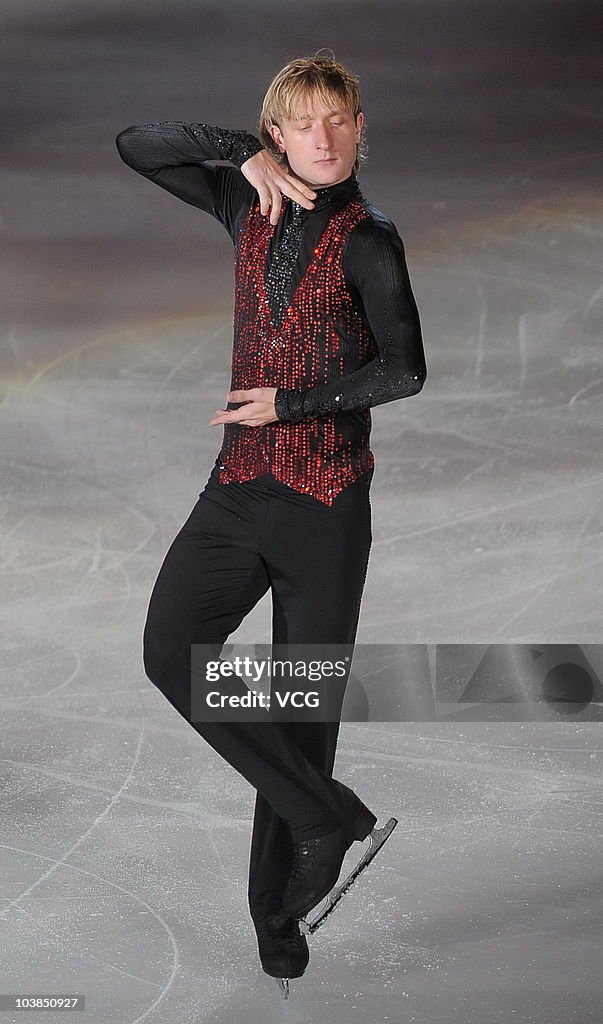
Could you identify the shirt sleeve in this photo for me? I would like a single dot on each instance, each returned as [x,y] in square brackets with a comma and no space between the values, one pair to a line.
[176,155]
[375,268]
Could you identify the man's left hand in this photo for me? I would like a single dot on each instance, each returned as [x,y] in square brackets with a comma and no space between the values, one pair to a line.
[258,410]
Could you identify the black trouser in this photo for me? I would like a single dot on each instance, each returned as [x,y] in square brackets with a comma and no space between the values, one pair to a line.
[240,540]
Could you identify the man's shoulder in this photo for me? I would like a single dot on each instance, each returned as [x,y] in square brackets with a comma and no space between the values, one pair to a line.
[376,228]
[373,248]
[375,215]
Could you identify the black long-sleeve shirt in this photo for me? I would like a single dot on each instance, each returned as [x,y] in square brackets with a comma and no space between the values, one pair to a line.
[200,164]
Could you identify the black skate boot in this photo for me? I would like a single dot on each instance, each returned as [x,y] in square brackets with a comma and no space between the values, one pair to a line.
[317,862]
[283,949]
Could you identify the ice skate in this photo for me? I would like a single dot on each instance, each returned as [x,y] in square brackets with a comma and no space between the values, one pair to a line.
[283,950]
[283,984]
[377,838]
[317,864]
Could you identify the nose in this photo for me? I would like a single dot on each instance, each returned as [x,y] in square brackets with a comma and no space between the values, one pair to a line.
[324,138]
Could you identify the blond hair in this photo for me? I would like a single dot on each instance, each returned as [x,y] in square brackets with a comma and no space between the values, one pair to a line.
[301,81]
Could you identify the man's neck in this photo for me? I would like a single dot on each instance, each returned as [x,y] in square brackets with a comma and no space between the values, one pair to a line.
[326,195]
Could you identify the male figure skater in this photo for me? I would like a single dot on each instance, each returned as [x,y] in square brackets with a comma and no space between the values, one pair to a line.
[325,327]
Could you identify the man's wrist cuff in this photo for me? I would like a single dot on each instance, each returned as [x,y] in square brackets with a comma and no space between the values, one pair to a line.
[248,146]
[289,404]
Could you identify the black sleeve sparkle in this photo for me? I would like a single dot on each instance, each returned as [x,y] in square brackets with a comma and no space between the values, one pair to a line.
[375,268]
[176,156]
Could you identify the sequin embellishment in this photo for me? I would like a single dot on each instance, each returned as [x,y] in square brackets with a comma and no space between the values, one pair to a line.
[283,263]
[321,337]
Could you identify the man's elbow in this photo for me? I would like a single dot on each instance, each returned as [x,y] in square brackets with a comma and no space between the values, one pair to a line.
[412,382]
[125,143]
[419,379]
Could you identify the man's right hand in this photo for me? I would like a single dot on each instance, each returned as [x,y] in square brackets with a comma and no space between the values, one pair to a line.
[272,182]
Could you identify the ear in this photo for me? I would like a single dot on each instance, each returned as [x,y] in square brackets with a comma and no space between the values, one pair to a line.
[277,136]
[359,123]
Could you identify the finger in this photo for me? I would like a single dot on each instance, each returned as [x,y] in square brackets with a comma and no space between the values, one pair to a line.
[265,201]
[277,200]
[299,184]
[303,194]
[238,415]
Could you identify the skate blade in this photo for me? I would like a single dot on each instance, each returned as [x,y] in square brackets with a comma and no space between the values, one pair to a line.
[283,984]
[376,840]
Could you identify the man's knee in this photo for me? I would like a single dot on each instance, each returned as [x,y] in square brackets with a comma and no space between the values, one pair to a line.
[164,667]
[154,653]
[176,664]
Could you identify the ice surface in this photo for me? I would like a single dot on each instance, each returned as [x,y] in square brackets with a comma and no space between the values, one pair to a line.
[125,838]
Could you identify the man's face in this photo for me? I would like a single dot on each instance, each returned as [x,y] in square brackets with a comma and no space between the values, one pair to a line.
[320,142]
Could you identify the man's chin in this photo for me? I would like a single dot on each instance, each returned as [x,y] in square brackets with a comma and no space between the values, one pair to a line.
[327,174]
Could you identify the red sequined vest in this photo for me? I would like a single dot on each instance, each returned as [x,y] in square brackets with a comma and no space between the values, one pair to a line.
[323,336]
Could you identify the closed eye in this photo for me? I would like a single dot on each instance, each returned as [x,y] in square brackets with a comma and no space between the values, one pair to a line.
[336,124]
